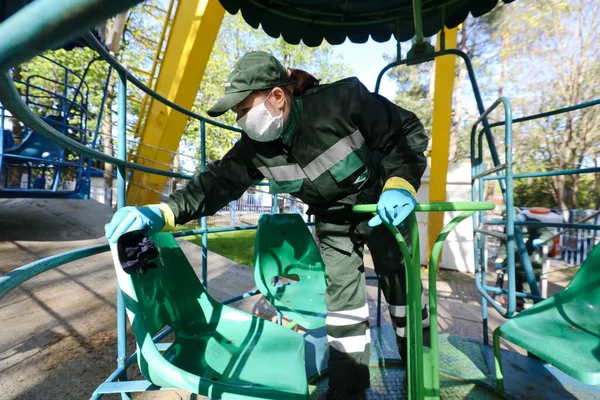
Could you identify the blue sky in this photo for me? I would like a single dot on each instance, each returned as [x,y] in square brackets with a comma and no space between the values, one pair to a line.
[366,60]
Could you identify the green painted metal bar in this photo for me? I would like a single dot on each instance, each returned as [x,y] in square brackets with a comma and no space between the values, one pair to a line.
[17,276]
[433,314]
[423,365]
[414,323]
[548,173]
[47,24]
[121,191]
[418,21]
[498,364]
[442,206]
[203,223]
[11,100]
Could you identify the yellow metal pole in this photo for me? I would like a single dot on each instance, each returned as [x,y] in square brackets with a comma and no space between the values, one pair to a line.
[192,37]
[155,63]
[442,121]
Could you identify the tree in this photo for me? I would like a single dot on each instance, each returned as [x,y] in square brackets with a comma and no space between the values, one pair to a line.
[415,90]
[553,51]
[543,55]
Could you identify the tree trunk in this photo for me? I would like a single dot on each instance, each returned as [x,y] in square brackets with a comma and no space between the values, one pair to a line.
[107,125]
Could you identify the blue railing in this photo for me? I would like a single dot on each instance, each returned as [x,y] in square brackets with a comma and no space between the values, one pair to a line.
[65,107]
[502,172]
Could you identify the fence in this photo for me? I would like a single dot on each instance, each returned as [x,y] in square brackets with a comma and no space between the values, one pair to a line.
[574,245]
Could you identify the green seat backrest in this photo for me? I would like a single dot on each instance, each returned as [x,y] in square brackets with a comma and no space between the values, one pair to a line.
[217,350]
[285,248]
[582,294]
[170,295]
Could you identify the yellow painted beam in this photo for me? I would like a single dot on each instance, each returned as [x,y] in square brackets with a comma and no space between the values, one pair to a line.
[442,122]
[194,31]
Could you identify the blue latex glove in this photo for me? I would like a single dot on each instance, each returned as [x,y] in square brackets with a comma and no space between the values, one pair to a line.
[128,219]
[393,207]
[537,243]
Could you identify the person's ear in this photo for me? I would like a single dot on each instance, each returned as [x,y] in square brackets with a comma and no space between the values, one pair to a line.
[278,96]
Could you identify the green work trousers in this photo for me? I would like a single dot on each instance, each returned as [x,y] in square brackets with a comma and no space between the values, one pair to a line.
[341,241]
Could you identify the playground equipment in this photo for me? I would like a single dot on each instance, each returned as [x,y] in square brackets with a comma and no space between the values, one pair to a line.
[217,350]
[563,329]
[36,166]
[426,373]
[285,248]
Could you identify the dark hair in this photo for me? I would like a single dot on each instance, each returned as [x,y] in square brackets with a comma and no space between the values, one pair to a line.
[301,81]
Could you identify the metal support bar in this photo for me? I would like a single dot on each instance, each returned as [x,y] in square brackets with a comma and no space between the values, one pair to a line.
[491,233]
[545,269]
[562,110]
[121,185]
[418,21]
[548,173]
[517,294]
[499,168]
[203,222]
[545,224]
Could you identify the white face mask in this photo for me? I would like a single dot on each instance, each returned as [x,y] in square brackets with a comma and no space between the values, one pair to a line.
[260,125]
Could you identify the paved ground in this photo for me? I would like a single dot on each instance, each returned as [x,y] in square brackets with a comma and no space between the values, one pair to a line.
[58,337]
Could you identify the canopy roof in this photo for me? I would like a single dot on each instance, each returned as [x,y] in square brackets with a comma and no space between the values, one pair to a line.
[335,20]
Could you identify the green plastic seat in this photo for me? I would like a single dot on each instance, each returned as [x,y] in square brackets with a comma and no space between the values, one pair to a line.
[217,351]
[284,247]
[563,330]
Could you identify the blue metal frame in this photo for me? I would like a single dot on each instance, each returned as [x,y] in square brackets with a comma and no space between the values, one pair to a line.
[76,108]
[513,236]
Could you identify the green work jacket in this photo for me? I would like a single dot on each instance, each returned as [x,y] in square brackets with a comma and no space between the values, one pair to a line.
[339,146]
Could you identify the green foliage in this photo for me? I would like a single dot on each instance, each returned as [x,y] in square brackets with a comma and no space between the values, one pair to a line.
[414,92]
[552,52]
[44,75]
[543,55]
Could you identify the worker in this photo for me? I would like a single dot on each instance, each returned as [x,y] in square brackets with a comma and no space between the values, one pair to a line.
[332,146]
[535,237]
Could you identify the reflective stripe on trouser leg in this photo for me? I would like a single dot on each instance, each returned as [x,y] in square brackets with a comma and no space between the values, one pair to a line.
[398,316]
[347,319]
